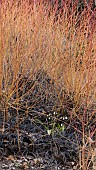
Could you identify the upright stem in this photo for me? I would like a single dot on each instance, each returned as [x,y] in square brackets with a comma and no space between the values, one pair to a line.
[1,63]
[83,140]
[1,58]
[83,148]
[17,116]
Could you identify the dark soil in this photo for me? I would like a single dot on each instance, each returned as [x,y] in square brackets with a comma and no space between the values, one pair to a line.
[41,139]
[31,147]
[36,149]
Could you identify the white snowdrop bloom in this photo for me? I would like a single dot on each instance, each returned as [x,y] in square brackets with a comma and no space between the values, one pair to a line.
[49,131]
[62,126]
[66,117]
[54,113]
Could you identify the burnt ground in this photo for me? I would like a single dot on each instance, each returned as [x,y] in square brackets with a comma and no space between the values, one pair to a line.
[36,148]
[37,137]
[40,142]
